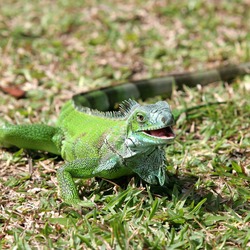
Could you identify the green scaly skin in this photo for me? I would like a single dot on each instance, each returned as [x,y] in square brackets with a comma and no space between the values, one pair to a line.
[112,144]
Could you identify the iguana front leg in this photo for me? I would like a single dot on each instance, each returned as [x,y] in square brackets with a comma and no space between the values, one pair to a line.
[83,168]
[80,168]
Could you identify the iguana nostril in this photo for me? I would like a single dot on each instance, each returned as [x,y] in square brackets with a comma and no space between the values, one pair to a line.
[163,119]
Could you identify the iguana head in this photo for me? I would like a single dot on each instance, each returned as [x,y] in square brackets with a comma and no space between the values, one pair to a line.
[150,125]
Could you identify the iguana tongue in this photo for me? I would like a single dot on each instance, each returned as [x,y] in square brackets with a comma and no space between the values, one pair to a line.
[163,132]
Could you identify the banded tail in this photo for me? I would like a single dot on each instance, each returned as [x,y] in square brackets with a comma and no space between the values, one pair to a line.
[105,99]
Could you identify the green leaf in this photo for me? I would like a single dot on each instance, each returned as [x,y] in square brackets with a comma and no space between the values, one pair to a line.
[236,167]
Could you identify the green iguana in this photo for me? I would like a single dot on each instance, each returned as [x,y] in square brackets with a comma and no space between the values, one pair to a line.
[111,144]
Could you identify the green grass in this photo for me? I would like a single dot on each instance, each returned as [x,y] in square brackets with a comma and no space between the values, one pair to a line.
[53,50]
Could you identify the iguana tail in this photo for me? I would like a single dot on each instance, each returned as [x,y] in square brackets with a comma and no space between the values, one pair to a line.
[35,136]
[105,99]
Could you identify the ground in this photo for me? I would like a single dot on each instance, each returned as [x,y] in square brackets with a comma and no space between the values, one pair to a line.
[51,50]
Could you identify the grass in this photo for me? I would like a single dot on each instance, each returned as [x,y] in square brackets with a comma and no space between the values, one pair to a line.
[53,50]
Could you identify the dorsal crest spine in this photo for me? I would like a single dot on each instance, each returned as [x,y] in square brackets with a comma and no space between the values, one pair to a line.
[125,109]
[127,106]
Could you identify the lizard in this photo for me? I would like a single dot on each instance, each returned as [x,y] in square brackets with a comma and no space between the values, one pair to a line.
[111,144]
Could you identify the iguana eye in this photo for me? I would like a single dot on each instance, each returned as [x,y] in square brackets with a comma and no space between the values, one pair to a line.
[140,117]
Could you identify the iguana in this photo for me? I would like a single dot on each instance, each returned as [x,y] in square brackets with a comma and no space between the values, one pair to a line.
[111,144]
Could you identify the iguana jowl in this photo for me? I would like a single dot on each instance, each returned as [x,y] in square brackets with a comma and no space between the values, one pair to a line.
[111,144]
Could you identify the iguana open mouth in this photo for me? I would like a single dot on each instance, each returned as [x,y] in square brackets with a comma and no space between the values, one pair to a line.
[164,133]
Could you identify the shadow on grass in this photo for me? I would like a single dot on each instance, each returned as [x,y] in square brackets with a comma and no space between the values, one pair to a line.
[182,186]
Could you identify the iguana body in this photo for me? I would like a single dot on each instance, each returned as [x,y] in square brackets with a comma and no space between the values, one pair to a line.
[110,144]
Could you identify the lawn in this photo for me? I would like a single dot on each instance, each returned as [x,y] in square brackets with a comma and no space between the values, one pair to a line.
[51,50]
